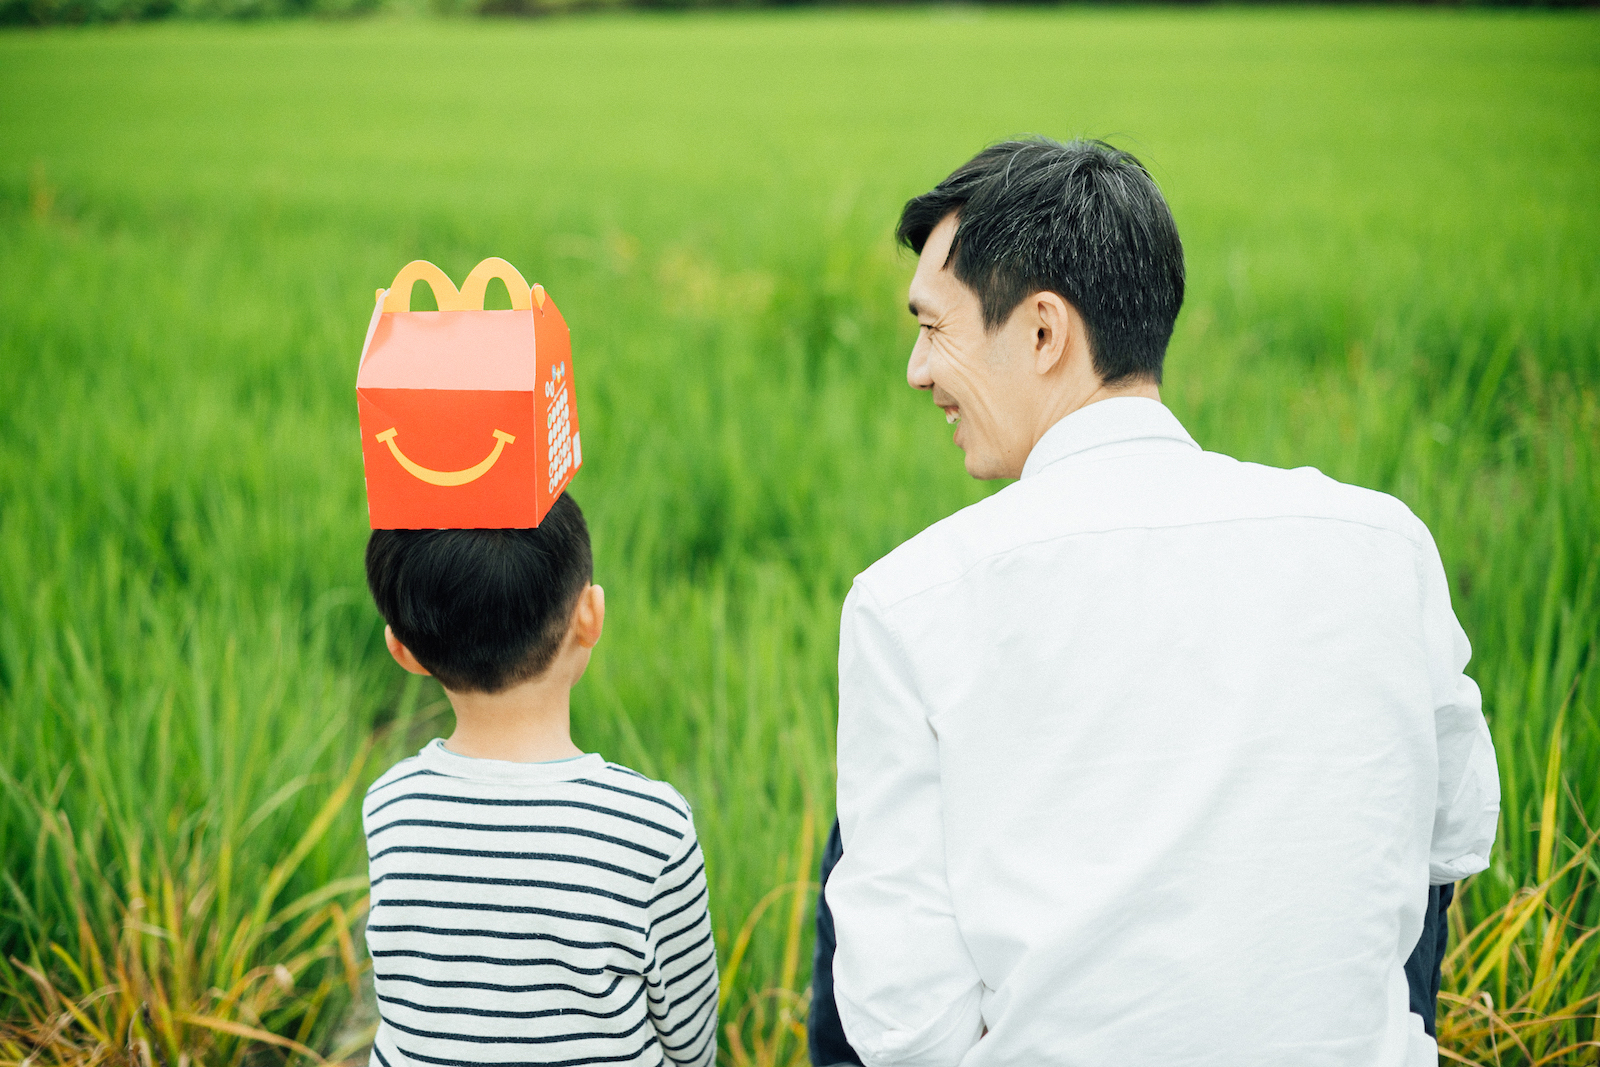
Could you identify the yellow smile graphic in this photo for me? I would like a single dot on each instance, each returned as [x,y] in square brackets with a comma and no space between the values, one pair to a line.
[433,477]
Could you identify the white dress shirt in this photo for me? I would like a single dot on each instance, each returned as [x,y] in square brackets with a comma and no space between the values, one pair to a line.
[1150,758]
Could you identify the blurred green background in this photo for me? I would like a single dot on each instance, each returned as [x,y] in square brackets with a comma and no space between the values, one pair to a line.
[1393,238]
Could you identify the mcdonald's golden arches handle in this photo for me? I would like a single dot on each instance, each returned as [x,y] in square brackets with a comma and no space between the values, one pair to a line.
[470,296]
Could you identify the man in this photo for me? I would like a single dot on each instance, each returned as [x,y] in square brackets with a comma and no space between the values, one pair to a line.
[1153,756]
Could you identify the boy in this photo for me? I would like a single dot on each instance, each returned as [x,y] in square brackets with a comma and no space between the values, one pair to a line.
[531,904]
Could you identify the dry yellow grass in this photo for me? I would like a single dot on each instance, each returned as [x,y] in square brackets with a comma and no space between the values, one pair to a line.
[172,982]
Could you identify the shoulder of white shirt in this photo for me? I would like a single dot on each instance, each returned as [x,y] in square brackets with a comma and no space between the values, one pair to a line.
[952,546]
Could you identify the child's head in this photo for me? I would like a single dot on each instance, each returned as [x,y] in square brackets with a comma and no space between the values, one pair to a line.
[482,610]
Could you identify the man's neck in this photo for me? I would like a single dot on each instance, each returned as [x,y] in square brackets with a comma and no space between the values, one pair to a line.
[528,723]
[1141,387]
[1079,399]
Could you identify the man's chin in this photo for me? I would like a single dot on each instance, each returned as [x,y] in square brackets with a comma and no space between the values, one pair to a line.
[983,468]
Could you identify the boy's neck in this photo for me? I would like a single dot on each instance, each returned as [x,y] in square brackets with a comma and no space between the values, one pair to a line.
[527,723]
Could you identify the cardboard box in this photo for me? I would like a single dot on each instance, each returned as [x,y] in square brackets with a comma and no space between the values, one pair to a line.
[468,417]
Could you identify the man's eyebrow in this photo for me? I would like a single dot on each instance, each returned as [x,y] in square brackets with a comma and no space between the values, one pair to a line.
[913,309]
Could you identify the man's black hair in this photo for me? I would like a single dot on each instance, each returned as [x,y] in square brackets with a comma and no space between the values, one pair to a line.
[1083,220]
[482,609]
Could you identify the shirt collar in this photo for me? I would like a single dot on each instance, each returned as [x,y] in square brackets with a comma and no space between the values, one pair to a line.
[436,757]
[1119,420]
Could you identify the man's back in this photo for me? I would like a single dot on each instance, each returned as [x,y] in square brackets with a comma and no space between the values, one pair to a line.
[1151,745]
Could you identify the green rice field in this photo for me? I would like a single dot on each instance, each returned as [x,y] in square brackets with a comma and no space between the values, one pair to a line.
[1393,236]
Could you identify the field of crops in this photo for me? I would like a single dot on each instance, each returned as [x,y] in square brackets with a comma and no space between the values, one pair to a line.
[1392,228]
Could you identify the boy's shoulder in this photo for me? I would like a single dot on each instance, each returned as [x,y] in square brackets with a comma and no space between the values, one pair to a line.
[626,781]
[382,791]
[410,767]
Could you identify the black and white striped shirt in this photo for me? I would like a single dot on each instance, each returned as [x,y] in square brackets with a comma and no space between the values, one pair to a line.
[549,914]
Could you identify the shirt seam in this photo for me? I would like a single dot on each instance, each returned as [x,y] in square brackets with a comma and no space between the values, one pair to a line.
[981,560]
[691,841]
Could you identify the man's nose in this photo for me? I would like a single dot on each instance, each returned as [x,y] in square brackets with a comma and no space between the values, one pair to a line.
[917,375]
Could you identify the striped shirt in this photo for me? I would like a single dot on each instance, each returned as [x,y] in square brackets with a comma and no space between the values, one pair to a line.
[549,914]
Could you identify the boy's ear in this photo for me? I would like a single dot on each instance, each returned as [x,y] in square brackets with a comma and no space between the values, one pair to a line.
[589,616]
[402,655]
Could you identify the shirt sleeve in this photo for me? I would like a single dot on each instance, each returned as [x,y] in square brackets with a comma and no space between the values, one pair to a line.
[1468,808]
[681,971]
[907,990]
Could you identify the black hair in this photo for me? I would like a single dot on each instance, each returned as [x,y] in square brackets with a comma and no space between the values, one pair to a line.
[482,609]
[1083,220]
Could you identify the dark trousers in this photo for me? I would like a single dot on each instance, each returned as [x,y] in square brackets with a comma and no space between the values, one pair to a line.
[828,1044]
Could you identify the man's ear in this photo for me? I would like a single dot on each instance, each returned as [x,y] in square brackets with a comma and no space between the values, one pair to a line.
[1056,327]
[589,616]
[402,655]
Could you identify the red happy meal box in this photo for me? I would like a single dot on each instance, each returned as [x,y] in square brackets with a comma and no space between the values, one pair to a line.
[467,416]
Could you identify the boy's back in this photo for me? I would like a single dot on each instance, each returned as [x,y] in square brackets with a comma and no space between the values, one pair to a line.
[536,913]
[532,905]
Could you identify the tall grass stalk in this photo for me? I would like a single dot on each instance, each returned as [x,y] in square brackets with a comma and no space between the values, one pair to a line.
[161,971]
[1523,984]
